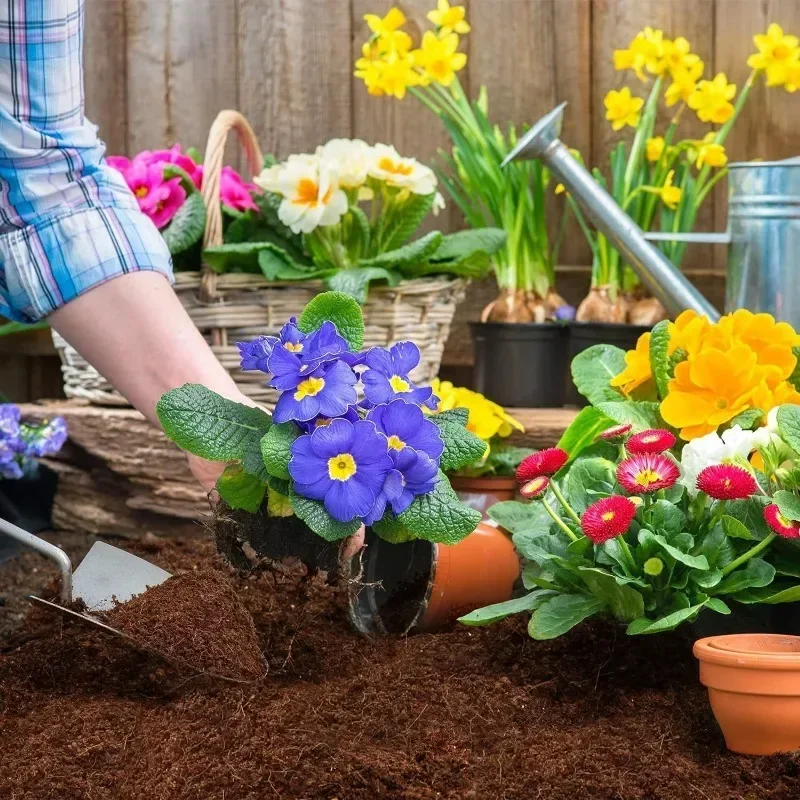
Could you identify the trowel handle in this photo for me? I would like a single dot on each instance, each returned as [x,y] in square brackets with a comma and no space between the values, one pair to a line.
[55,554]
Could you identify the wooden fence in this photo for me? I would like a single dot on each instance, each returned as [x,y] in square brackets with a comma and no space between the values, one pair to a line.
[157,71]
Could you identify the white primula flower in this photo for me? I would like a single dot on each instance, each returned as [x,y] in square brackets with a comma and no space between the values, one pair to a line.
[405,173]
[269,177]
[311,194]
[438,204]
[352,158]
[733,446]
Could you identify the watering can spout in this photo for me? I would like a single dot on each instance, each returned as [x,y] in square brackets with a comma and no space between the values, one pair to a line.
[657,273]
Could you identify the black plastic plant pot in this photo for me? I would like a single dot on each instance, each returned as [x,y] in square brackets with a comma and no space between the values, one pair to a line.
[521,364]
[28,502]
[583,335]
[782,618]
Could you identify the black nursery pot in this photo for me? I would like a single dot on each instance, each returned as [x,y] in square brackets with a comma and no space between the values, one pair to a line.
[583,335]
[521,364]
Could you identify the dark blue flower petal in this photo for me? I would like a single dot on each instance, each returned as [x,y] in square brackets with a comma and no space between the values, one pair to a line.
[331,440]
[405,356]
[346,500]
[287,408]
[377,388]
[255,354]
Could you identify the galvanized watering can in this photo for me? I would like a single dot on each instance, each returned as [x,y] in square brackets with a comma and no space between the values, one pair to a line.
[763,234]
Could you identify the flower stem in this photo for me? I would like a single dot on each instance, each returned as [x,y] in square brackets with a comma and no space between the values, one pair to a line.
[751,553]
[558,521]
[564,504]
[625,547]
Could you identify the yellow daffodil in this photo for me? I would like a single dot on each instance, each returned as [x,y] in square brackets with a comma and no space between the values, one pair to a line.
[643,53]
[560,188]
[670,195]
[792,78]
[637,367]
[439,57]
[777,52]
[622,108]
[391,76]
[709,152]
[676,57]
[710,389]
[712,99]
[449,19]
[684,83]
[654,148]
[393,20]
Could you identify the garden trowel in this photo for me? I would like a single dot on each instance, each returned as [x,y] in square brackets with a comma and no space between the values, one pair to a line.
[106,576]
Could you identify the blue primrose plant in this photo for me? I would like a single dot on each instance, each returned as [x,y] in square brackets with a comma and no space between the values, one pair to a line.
[21,442]
[352,440]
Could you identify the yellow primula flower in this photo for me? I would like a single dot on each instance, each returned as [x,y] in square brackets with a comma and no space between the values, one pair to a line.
[486,419]
[783,394]
[439,58]
[654,148]
[670,195]
[622,108]
[380,26]
[449,19]
[637,367]
[710,389]
[709,152]
[676,57]
[711,99]
[684,83]
[687,332]
[777,52]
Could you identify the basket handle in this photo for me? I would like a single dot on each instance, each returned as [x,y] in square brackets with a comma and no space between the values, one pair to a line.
[212,174]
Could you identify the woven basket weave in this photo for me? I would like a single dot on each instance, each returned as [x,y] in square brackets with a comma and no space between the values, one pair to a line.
[236,307]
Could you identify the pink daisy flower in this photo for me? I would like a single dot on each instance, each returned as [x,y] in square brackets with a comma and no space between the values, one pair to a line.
[545,462]
[647,473]
[654,440]
[535,487]
[615,433]
[787,528]
[608,518]
[727,482]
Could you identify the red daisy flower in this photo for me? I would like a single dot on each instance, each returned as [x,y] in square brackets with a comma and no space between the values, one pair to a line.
[616,433]
[787,528]
[608,518]
[647,473]
[535,487]
[655,440]
[545,462]
[727,482]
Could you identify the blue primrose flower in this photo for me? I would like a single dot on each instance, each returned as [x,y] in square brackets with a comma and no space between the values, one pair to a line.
[327,391]
[387,377]
[404,425]
[47,439]
[342,465]
[9,461]
[311,425]
[10,426]
[255,354]
[414,473]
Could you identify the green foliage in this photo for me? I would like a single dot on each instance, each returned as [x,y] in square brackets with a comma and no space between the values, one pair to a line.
[593,369]
[356,282]
[641,415]
[240,489]
[583,430]
[342,310]
[187,226]
[562,613]
[213,427]
[659,359]
[789,426]
[320,521]
[276,449]
[461,447]
[498,611]
[789,504]
[414,252]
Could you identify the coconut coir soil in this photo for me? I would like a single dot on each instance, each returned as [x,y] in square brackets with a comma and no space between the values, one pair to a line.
[468,713]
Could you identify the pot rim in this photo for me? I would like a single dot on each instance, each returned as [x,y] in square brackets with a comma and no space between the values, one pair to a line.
[713,650]
[617,326]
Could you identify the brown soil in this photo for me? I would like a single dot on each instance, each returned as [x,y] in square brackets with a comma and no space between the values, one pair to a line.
[196,620]
[468,713]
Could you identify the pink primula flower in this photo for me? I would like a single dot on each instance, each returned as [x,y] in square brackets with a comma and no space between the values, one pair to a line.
[172,156]
[233,191]
[157,198]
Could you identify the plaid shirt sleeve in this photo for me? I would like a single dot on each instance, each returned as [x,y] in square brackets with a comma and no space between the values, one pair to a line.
[68,221]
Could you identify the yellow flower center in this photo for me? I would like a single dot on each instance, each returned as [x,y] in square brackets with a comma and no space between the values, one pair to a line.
[294,347]
[309,388]
[141,191]
[322,422]
[608,516]
[341,467]
[396,443]
[307,193]
[646,477]
[395,167]
[398,384]
[783,521]
[781,52]
[722,403]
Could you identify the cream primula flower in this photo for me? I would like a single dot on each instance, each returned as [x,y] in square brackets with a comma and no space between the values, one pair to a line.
[311,193]
[389,166]
[352,159]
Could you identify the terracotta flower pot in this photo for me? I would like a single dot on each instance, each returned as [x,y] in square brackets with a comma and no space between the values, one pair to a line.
[419,586]
[480,493]
[753,682]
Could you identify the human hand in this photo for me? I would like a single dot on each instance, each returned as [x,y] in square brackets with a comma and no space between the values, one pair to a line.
[205,472]
[353,543]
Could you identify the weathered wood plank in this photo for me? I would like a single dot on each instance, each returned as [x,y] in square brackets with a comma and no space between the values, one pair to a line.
[295,72]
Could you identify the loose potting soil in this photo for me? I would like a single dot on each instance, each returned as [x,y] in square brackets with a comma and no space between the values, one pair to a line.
[467,713]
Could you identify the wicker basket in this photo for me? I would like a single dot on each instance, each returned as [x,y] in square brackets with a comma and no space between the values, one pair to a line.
[235,307]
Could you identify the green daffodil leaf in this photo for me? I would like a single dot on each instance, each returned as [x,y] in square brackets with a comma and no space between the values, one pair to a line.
[342,310]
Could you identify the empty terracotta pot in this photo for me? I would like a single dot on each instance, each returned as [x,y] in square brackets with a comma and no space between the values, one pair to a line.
[753,682]
[419,586]
[480,493]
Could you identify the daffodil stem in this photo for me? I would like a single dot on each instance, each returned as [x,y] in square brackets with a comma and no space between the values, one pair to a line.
[558,521]
[564,504]
[751,553]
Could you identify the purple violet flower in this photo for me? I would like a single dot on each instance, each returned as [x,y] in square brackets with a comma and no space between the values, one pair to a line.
[387,377]
[9,461]
[342,465]
[404,425]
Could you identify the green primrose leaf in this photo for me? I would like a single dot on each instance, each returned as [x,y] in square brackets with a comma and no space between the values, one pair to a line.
[278,504]
[356,282]
[342,310]
[789,504]
[756,574]
[390,529]
[561,613]
[239,489]
[461,447]
[498,611]
[416,252]
[583,430]
[276,448]
[624,602]
[440,516]
[320,521]
[463,244]
[213,427]
[659,360]
[641,415]
[789,426]
[187,226]
[593,369]
[747,420]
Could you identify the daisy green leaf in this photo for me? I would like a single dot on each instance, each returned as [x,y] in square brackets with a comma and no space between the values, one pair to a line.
[494,613]
[320,521]
[756,574]
[342,310]
[788,503]
[562,613]
[668,622]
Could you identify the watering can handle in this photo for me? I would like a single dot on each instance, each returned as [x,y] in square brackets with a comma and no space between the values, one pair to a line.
[689,238]
[48,550]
